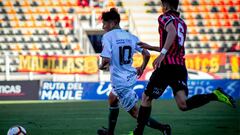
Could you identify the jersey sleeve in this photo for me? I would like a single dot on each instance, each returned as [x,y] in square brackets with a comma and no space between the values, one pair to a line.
[164,20]
[107,49]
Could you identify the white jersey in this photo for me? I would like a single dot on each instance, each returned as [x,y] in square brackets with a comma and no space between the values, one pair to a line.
[119,46]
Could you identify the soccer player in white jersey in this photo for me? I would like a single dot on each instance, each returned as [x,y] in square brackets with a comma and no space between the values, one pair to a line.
[118,49]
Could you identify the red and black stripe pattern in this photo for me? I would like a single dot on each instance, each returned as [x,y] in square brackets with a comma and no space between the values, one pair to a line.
[175,54]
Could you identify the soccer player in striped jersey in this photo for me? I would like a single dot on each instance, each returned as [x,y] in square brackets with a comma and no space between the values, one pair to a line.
[170,69]
[118,49]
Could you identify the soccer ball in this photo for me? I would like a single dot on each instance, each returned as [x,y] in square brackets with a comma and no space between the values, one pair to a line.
[16,130]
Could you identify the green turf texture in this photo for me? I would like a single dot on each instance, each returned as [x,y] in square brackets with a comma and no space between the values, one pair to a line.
[84,118]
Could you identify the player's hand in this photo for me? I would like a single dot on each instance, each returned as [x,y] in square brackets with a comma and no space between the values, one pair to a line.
[139,71]
[157,62]
[143,45]
[105,68]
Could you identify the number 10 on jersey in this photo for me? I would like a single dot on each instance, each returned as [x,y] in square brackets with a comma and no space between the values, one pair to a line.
[125,54]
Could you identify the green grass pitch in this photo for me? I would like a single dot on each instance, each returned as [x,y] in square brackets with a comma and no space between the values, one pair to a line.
[85,117]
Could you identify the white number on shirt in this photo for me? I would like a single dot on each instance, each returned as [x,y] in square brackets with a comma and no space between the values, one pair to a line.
[180,34]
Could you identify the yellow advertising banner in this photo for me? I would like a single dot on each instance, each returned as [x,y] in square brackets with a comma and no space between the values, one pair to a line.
[206,62]
[235,63]
[212,63]
[58,64]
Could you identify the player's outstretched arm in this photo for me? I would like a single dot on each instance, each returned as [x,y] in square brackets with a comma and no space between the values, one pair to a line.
[104,64]
[170,28]
[146,57]
[149,47]
[172,33]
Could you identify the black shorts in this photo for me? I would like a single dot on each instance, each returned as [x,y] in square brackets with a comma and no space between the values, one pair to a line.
[175,76]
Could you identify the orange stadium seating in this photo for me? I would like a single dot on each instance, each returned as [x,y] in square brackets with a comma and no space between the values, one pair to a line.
[213,26]
[47,27]
[44,27]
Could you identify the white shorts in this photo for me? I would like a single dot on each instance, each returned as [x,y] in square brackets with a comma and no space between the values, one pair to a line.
[127,97]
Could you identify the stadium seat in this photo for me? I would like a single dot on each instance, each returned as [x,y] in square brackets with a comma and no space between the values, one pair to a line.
[200,23]
[10,32]
[25,3]
[3,11]
[208,23]
[54,11]
[222,38]
[232,38]
[223,9]
[8,3]
[213,38]
[212,2]
[204,38]
[236,23]
[231,9]
[220,31]
[199,16]
[22,18]
[17,3]
[34,4]
[214,9]
[20,11]
[237,31]
[195,38]
[195,3]
[186,2]
[6,18]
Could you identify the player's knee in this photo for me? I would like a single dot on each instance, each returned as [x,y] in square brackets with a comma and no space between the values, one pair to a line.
[182,106]
[134,112]
[113,104]
[113,101]
[146,100]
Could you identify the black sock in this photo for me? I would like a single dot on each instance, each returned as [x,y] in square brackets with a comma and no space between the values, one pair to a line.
[200,100]
[152,123]
[143,117]
[112,119]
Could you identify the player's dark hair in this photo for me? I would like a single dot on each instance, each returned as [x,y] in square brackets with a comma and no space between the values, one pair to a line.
[111,15]
[172,3]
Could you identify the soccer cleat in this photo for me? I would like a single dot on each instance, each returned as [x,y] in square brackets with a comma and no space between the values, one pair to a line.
[166,130]
[102,131]
[131,133]
[224,97]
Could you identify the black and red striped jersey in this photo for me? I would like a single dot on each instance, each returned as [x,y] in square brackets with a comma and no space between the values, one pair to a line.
[176,52]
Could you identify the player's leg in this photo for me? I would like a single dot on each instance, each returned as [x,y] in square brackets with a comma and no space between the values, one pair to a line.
[143,114]
[152,123]
[112,117]
[134,112]
[128,100]
[154,90]
[199,100]
[179,86]
[113,113]
[180,91]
